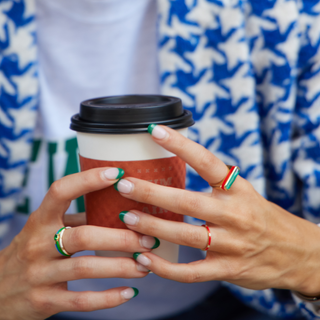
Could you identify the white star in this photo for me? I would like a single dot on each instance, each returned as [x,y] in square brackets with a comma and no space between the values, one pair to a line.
[313,197]
[22,41]
[284,12]
[12,178]
[243,119]
[290,47]
[203,57]
[7,205]
[234,49]
[6,85]
[171,60]
[204,15]
[254,24]
[249,153]
[19,149]
[4,119]
[206,91]
[240,85]
[3,151]
[262,58]
[270,92]
[24,118]
[312,86]
[231,18]
[280,152]
[27,84]
[213,148]
[168,89]
[316,61]
[314,30]
[209,126]
[313,111]
[179,29]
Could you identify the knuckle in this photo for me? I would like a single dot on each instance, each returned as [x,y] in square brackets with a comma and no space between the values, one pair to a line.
[189,203]
[192,276]
[81,302]
[79,237]
[81,268]
[127,239]
[40,301]
[147,194]
[56,189]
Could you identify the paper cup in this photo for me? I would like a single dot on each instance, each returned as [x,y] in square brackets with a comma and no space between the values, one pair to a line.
[112,131]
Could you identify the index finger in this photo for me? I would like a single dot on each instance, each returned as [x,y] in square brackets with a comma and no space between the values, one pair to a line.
[209,167]
[66,189]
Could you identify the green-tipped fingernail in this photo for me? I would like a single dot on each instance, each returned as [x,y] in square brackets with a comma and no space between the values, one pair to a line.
[120,174]
[136,291]
[122,214]
[151,127]
[157,243]
[116,185]
[136,255]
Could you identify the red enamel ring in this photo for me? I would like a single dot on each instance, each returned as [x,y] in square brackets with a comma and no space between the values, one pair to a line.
[209,238]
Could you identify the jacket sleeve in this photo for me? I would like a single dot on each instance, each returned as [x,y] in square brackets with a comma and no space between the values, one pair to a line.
[18,100]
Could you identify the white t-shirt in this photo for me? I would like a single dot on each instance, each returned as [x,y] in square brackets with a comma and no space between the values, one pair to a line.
[88,49]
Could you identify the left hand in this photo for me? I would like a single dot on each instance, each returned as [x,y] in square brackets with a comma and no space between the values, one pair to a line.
[255,243]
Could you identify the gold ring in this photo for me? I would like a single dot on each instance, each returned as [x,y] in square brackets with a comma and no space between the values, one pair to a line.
[209,237]
[59,243]
[226,183]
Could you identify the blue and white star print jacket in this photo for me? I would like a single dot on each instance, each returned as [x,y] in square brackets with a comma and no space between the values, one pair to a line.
[248,70]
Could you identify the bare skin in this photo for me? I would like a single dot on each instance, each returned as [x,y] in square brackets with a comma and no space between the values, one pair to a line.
[255,243]
[33,275]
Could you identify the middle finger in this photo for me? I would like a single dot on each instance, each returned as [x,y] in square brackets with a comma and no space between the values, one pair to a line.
[194,204]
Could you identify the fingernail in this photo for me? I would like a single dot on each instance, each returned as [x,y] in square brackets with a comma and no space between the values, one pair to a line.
[129,293]
[113,173]
[157,132]
[141,259]
[128,217]
[141,268]
[149,242]
[123,186]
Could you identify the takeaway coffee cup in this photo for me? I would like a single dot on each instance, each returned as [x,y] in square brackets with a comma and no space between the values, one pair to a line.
[112,131]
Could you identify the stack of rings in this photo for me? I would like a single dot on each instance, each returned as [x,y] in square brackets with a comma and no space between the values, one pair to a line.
[59,243]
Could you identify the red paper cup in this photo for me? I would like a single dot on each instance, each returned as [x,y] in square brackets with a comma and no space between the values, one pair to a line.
[112,131]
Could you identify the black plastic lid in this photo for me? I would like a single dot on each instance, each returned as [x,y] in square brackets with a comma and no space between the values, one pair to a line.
[130,114]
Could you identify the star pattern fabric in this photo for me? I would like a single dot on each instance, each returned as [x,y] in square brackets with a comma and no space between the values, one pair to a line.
[253,88]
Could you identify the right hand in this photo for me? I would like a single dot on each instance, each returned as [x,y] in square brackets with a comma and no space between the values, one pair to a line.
[33,274]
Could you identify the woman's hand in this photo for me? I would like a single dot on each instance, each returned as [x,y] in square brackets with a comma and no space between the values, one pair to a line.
[255,243]
[34,275]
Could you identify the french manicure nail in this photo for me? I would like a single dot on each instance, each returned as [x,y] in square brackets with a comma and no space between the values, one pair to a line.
[157,132]
[142,259]
[149,242]
[129,218]
[141,268]
[123,186]
[113,173]
[129,293]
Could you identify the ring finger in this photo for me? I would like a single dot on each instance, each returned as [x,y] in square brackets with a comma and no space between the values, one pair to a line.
[181,233]
[98,238]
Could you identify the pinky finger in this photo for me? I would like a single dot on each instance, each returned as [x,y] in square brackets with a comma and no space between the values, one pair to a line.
[91,300]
